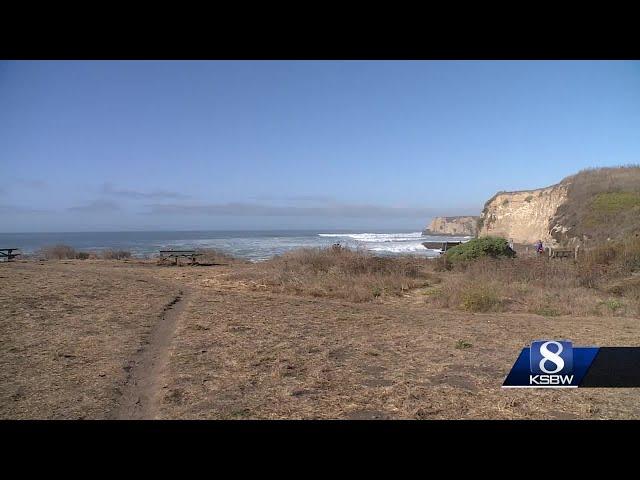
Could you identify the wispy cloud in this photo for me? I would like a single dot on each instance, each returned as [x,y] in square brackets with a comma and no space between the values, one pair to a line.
[97,206]
[110,189]
[247,209]
[17,209]
[296,198]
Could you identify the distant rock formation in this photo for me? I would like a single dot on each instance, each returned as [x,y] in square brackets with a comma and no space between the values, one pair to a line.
[525,216]
[452,226]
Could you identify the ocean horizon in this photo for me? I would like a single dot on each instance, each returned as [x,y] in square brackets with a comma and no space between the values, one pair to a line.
[254,245]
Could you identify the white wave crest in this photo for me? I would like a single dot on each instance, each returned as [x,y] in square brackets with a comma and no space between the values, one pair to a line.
[399,248]
[376,237]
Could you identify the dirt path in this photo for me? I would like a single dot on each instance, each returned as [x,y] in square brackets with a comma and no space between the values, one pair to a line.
[146,379]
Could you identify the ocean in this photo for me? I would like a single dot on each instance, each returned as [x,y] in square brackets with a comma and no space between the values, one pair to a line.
[251,245]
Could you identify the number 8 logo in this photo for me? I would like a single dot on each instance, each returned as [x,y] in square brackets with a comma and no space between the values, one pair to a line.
[549,356]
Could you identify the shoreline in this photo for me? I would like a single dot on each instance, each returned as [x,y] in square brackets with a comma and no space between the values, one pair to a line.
[259,245]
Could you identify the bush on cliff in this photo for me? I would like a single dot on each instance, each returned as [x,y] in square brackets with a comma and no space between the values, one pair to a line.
[601,203]
[480,247]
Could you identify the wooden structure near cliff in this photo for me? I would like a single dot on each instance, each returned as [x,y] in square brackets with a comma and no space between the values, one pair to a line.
[443,246]
[563,252]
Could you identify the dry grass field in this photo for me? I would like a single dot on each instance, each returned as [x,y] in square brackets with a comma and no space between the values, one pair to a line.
[131,339]
[69,332]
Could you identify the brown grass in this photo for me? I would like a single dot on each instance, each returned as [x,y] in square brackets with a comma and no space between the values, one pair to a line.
[339,273]
[71,331]
[116,254]
[65,252]
[601,203]
[244,353]
[212,256]
[603,281]
[57,252]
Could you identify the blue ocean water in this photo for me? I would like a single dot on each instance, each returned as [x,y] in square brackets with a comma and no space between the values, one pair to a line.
[252,245]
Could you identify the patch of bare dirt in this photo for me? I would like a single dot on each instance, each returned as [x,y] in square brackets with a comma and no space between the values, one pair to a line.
[147,371]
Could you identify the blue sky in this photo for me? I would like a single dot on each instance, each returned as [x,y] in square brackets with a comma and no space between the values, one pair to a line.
[90,146]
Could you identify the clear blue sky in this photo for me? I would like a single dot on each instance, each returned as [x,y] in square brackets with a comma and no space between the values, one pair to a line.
[252,145]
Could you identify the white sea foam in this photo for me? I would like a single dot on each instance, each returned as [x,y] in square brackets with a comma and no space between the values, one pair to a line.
[376,237]
[399,248]
[388,243]
[250,245]
[391,243]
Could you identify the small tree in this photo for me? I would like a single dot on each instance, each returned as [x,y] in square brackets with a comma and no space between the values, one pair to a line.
[480,247]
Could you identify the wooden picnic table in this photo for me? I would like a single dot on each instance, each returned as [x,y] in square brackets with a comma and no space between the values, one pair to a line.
[563,252]
[165,255]
[8,253]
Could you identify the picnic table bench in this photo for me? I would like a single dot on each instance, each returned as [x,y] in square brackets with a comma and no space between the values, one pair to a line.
[444,246]
[166,255]
[563,252]
[8,253]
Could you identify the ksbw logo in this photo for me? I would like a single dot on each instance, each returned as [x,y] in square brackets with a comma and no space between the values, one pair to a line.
[551,363]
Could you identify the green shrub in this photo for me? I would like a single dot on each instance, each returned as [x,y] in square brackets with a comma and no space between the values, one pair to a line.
[546,311]
[601,203]
[614,202]
[480,247]
[528,199]
[481,299]
[463,345]
[613,305]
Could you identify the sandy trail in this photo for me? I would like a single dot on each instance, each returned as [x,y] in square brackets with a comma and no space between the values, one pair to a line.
[147,371]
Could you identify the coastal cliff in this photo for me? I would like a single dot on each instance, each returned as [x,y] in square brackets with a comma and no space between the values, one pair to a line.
[594,205]
[524,216]
[463,226]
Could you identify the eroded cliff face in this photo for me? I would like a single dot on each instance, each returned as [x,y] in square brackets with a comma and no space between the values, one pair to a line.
[525,216]
[463,226]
